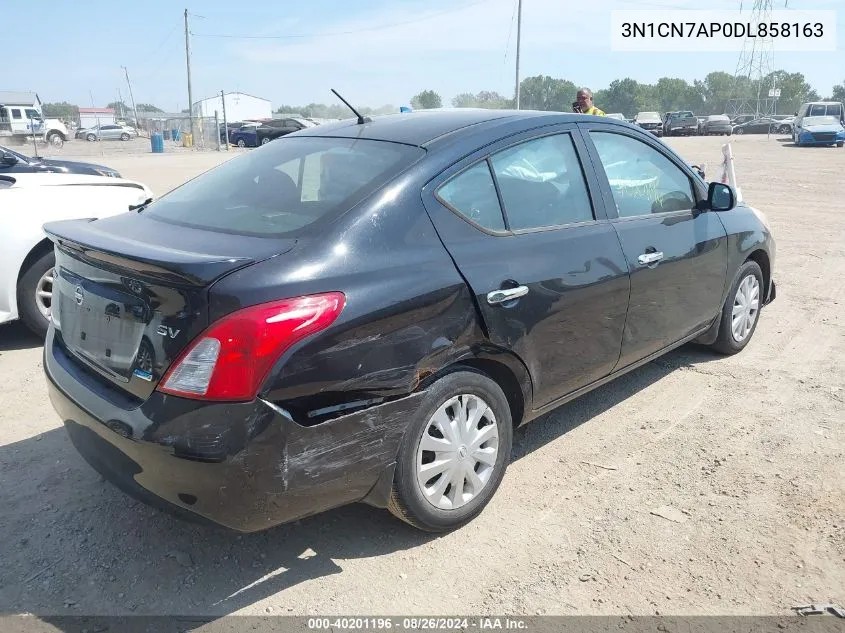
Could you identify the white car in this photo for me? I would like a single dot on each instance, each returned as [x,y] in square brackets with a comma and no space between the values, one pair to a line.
[27,202]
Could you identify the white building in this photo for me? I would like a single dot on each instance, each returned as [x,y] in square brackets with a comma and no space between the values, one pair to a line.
[239,107]
[89,117]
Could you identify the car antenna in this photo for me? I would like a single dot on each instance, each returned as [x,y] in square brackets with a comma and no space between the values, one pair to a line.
[361,119]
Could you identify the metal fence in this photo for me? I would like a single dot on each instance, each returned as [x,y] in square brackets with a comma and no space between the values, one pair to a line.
[206,129]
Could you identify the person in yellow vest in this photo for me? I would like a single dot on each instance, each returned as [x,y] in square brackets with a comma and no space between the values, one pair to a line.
[584,103]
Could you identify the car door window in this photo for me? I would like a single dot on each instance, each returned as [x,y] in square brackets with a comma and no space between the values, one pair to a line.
[16,114]
[472,194]
[542,183]
[643,180]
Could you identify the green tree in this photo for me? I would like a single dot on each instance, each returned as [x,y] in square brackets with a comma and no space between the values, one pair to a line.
[464,100]
[546,93]
[794,90]
[118,107]
[838,93]
[148,107]
[426,100]
[63,110]
[622,95]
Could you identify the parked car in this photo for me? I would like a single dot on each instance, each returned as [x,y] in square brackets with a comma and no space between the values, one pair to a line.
[364,312]
[763,125]
[650,121]
[12,162]
[245,136]
[717,124]
[277,128]
[107,132]
[680,123]
[28,200]
[743,118]
[616,115]
[820,130]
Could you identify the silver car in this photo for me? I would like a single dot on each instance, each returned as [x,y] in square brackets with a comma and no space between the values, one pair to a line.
[108,132]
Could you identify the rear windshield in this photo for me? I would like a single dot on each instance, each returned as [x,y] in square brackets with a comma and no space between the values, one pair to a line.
[285,186]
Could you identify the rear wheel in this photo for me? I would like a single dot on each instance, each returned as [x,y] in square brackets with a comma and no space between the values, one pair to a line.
[241,143]
[35,294]
[55,139]
[741,310]
[840,144]
[91,137]
[454,453]
[124,137]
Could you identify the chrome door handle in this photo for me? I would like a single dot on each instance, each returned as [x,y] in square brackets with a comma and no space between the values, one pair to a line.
[650,258]
[506,294]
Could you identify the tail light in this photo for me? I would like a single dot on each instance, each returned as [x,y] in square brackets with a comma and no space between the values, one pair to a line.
[231,359]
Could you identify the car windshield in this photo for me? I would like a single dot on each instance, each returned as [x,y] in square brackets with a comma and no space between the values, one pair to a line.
[647,115]
[284,186]
[820,120]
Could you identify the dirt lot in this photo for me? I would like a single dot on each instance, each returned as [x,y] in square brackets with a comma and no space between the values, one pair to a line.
[749,451]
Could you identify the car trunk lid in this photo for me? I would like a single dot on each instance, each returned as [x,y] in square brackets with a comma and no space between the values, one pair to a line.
[130,293]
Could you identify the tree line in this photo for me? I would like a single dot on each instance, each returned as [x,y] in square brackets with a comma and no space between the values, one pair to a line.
[711,95]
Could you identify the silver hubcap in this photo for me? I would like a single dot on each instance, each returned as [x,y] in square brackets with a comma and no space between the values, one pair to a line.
[44,294]
[457,453]
[746,307]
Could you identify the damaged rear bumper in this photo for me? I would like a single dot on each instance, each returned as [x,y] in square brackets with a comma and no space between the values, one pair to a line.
[244,466]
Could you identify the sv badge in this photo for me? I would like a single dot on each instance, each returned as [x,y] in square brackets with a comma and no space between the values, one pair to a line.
[163,330]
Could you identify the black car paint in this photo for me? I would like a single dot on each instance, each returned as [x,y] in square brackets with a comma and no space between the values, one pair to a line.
[37,165]
[326,428]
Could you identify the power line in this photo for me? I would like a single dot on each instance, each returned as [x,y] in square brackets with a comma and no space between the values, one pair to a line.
[510,31]
[335,33]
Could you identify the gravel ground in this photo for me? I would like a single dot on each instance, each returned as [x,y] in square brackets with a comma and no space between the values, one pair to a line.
[744,455]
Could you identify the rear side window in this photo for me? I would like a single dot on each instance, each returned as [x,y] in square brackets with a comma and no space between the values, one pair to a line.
[16,114]
[285,186]
[542,183]
[472,194]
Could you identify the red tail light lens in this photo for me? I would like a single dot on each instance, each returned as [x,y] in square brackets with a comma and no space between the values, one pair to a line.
[231,359]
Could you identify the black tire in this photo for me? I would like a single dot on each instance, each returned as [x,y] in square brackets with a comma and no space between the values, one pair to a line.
[27,308]
[124,137]
[91,137]
[407,501]
[840,144]
[725,342]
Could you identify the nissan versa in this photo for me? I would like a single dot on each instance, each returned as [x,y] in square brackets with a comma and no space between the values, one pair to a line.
[363,311]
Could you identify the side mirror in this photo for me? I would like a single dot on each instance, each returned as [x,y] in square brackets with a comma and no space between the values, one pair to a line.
[720,197]
[9,159]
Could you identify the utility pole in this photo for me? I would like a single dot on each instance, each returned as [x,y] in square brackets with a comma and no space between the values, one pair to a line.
[120,101]
[518,42]
[225,121]
[132,98]
[188,63]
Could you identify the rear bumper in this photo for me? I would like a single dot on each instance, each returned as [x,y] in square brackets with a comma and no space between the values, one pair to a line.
[247,467]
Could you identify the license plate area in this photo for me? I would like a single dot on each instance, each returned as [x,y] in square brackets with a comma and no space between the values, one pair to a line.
[101,323]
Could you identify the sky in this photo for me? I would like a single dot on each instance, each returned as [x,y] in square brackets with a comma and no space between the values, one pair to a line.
[374,52]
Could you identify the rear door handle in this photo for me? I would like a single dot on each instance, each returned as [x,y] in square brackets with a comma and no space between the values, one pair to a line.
[504,295]
[650,258]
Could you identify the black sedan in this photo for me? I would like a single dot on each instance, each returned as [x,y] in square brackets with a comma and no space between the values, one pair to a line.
[763,125]
[363,312]
[271,130]
[12,162]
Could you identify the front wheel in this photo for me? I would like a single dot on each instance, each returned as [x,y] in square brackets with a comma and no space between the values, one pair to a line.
[739,131]
[454,453]
[741,310]
[35,294]
[124,137]
[55,139]
[91,137]
[265,140]
[241,143]
[840,144]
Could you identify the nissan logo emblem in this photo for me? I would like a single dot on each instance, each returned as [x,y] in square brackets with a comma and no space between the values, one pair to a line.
[79,296]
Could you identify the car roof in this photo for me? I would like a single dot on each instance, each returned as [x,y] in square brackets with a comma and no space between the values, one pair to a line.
[428,127]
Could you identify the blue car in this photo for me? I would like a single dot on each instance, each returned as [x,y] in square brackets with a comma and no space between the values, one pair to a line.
[245,136]
[819,130]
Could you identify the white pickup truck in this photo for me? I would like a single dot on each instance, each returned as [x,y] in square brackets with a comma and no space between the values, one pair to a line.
[18,123]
